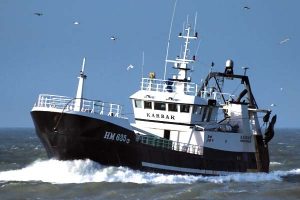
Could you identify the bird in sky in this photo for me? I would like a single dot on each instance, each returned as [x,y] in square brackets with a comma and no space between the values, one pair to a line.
[246,8]
[113,38]
[38,13]
[284,41]
[130,67]
[76,23]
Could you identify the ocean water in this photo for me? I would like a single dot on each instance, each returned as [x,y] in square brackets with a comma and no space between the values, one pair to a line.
[27,173]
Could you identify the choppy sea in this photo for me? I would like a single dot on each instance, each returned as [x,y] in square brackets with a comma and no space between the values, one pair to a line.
[27,173]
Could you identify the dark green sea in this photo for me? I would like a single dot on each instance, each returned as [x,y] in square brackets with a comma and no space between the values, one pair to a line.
[27,173]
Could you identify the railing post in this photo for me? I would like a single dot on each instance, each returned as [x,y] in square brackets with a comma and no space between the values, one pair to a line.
[102,108]
[40,102]
[110,109]
[93,107]
[118,110]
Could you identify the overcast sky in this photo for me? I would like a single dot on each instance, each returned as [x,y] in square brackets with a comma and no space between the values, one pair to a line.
[43,54]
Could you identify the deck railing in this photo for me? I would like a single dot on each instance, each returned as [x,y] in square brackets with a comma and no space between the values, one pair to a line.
[160,85]
[69,104]
[187,88]
[168,144]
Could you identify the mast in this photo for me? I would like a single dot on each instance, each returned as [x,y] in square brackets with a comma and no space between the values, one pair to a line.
[79,94]
[181,63]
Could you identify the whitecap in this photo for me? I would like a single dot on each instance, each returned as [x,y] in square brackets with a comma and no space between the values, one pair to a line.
[275,163]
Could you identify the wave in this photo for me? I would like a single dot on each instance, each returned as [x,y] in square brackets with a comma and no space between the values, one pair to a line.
[84,171]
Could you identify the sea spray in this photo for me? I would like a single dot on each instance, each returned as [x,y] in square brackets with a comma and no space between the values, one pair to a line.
[83,171]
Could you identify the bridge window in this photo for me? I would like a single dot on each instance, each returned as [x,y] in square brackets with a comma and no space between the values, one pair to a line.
[138,103]
[172,107]
[159,106]
[167,134]
[209,114]
[197,110]
[147,104]
[184,108]
[204,113]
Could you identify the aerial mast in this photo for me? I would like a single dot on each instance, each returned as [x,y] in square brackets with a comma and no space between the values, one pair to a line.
[181,63]
[79,94]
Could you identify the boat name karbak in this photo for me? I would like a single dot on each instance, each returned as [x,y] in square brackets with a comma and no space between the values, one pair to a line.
[160,116]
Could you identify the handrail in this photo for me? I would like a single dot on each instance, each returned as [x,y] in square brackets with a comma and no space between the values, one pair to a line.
[160,85]
[88,106]
[169,144]
[188,88]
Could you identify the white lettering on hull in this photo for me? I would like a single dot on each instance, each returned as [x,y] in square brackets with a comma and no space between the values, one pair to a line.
[245,138]
[116,137]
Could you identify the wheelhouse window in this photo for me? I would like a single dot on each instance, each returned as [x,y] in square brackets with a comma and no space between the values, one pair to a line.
[209,114]
[138,103]
[167,134]
[204,112]
[197,110]
[172,107]
[159,106]
[184,108]
[147,104]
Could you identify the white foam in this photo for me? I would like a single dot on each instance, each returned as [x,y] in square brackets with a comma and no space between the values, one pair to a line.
[275,163]
[82,171]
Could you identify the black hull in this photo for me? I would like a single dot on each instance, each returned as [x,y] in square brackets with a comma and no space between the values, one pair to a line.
[69,136]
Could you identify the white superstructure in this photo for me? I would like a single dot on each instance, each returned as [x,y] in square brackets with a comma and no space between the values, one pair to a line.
[181,111]
[170,108]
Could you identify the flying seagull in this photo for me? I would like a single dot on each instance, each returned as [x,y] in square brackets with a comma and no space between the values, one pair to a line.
[113,38]
[130,67]
[284,41]
[38,14]
[246,8]
[76,23]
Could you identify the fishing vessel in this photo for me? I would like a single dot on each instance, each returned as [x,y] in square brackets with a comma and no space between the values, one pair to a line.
[179,127]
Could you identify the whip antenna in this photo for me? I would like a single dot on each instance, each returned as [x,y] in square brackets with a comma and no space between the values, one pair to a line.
[143,63]
[167,54]
[195,23]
